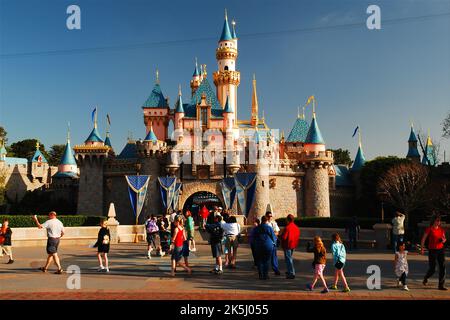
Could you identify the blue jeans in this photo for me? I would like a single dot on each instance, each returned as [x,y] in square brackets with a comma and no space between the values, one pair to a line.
[274,260]
[288,253]
[396,238]
[263,257]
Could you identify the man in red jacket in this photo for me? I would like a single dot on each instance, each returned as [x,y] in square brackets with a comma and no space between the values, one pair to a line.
[289,241]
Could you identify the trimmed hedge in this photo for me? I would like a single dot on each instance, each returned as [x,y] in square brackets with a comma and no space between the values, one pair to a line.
[333,222]
[21,221]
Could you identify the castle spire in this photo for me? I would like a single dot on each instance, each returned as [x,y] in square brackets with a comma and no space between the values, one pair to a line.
[360,160]
[179,105]
[254,119]
[233,31]
[226,33]
[196,73]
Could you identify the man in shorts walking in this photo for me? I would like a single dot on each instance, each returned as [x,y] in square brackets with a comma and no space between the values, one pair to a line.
[55,230]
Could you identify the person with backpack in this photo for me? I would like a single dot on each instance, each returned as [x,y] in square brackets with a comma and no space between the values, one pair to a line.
[216,235]
[153,238]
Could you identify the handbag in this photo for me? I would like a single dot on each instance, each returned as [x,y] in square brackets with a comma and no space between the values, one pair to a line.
[339,264]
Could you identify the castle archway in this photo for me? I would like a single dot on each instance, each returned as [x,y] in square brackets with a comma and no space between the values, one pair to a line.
[196,192]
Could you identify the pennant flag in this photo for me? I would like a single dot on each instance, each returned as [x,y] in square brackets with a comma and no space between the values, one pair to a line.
[167,187]
[356,130]
[137,190]
[94,114]
[228,191]
[176,196]
[310,99]
[245,190]
[108,119]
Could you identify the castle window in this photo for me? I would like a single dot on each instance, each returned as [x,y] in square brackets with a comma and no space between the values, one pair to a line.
[226,68]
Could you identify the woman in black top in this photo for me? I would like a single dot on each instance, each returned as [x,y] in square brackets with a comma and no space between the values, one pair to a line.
[103,246]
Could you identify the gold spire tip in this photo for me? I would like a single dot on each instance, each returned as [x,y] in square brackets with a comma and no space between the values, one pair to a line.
[226,15]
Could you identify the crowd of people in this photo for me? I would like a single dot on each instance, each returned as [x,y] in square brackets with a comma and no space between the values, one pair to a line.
[173,234]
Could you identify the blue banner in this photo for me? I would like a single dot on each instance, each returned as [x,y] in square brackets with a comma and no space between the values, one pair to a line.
[245,190]
[167,187]
[228,191]
[176,196]
[137,190]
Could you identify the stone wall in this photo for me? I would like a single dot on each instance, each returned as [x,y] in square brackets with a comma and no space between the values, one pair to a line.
[317,198]
[284,198]
[90,192]
[191,187]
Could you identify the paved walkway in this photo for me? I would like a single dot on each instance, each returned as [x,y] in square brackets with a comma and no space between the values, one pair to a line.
[133,276]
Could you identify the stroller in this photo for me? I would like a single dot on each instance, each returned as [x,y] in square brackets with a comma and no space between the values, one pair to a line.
[165,240]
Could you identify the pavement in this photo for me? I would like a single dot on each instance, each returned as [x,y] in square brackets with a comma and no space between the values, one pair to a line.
[133,276]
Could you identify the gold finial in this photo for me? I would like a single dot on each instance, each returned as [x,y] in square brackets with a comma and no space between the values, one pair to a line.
[359,136]
[179,89]
[37,144]
[157,76]
[204,70]
[303,115]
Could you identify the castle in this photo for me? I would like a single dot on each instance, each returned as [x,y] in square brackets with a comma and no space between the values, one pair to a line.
[295,175]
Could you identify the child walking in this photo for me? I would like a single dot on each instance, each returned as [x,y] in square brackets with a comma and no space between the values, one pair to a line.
[318,264]
[401,265]
[102,245]
[339,256]
[179,241]
[5,241]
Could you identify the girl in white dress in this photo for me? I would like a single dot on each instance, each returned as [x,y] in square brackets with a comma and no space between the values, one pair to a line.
[401,265]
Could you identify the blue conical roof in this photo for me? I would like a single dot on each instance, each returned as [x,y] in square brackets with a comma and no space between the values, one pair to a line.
[360,160]
[233,32]
[151,136]
[429,153]
[36,156]
[299,131]
[68,157]
[412,136]
[94,136]
[179,105]
[228,108]
[226,33]
[314,136]
[156,98]
[108,142]
[196,72]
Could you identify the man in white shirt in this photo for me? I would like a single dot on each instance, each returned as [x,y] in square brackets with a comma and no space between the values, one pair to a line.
[55,230]
[398,229]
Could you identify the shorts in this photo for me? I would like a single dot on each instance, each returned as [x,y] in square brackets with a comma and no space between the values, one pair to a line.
[231,242]
[5,249]
[339,265]
[52,245]
[177,253]
[318,269]
[190,235]
[216,249]
[153,239]
[185,249]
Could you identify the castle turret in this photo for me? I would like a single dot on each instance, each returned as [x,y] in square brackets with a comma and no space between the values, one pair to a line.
[429,158]
[228,116]
[316,161]
[226,78]
[68,165]
[156,112]
[360,160]
[179,111]
[196,79]
[254,117]
[413,152]
[91,157]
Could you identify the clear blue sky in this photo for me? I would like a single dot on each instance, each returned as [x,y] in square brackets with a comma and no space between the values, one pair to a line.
[379,80]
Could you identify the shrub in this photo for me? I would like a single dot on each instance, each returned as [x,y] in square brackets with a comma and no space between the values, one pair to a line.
[332,222]
[22,221]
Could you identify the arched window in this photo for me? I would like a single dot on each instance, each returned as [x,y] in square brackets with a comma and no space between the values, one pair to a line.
[226,68]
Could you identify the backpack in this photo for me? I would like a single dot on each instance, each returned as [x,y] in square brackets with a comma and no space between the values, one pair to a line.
[216,231]
[151,226]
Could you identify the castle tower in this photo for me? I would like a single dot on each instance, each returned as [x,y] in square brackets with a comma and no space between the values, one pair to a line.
[413,152]
[358,164]
[429,157]
[156,112]
[91,157]
[226,78]
[68,165]
[196,79]
[254,116]
[179,110]
[228,116]
[316,161]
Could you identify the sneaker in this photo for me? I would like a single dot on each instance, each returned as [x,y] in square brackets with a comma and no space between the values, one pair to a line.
[290,276]
[309,287]
[346,289]
[442,288]
[405,287]
[399,284]
[219,272]
[325,290]
[213,270]
[333,287]
[277,273]
[10,261]
[60,271]
[100,269]
[193,249]
[106,270]
[162,254]
[149,256]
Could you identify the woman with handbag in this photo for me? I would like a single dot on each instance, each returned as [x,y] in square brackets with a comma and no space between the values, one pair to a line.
[339,255]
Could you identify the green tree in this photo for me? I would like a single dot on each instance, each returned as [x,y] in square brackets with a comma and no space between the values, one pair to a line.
[26,148]
[342,156]
[55,154]
[3,135]
[2,186]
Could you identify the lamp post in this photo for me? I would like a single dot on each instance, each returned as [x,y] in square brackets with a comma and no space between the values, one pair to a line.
[382,196]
